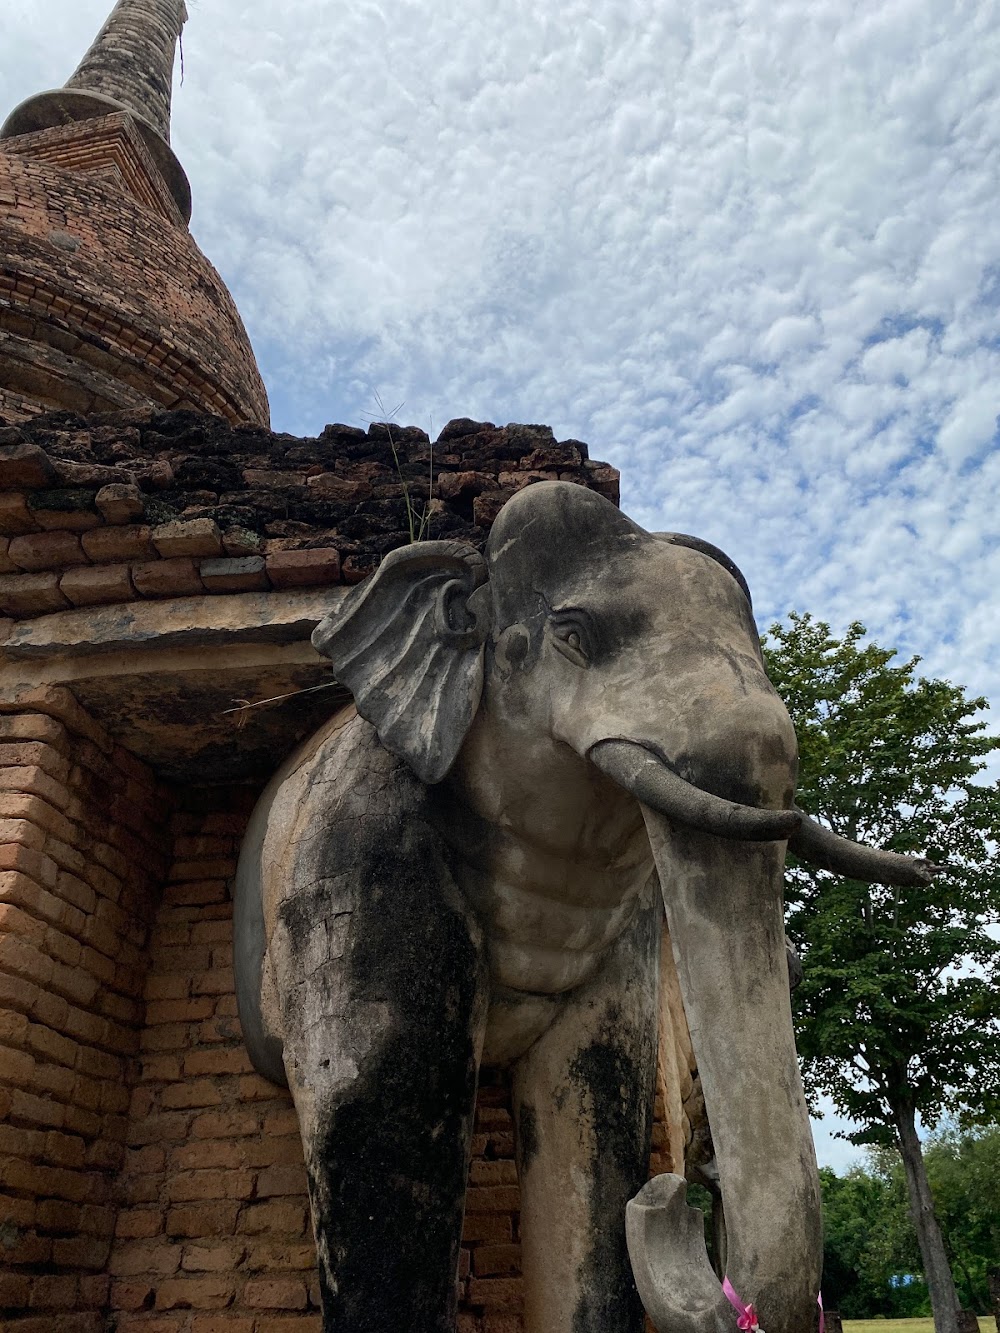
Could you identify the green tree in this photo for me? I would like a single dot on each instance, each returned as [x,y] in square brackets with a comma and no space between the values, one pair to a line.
[898,1016]
[869,1244]
[963,1166]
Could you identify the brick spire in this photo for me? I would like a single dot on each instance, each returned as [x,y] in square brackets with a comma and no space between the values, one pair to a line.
[132,60]
[129,68]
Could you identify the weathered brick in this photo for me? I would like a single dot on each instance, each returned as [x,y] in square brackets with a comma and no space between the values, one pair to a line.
[15,516]
[31,594]
[81,1252]
[189,1093]
[46,550]
[179,1011]
[211,1153]
[132,542]
[268,1151]
[200,537]
[198,1186]
[195,1293]
[299,569]
[25,466]
[275,1217]
[172,986]
[274,1256]
[281,1180]
[120,502]
[137,1295]
[492,1199]
[234,574]
[144,1256]
[504,1293]
[496,1260]
[161,578]
[139,1223]
[232,1061]
[275,1294]
[218,1257]
[202,1219]
[158,1128]
[54,1292]
[98,585]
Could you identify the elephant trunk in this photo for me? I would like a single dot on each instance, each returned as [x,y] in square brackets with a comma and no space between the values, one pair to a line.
[829,851]
[724,909]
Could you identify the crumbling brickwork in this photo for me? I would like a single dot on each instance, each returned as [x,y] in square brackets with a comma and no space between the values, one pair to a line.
[102,304]
[168,505]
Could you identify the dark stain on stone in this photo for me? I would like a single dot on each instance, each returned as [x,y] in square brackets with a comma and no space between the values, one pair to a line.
[614,1075]
[388,1175]
[527,1137]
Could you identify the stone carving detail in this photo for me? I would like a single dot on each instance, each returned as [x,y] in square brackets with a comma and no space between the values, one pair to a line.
[466,867]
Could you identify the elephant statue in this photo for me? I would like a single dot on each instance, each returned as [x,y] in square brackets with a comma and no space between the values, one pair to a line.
[464,867]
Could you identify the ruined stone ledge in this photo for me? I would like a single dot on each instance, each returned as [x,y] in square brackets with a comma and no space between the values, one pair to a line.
[121,507]
[207,621]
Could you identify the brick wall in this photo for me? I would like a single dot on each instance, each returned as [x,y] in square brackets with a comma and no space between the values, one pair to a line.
[90,272]
[110,145]
[213,1234]
[144,505]
[82,849]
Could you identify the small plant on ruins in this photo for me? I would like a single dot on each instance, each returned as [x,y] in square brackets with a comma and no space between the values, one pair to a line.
[418,520]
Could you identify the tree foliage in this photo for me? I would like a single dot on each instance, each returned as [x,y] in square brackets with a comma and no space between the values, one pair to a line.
[871,1256]
[899,1005]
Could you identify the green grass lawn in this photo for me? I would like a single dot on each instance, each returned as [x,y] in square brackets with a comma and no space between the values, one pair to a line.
[986,1325]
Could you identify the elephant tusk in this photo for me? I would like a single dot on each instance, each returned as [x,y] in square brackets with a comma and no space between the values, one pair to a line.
[829,851]
[648,778]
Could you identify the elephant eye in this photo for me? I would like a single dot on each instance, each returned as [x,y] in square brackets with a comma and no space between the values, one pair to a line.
[570,636]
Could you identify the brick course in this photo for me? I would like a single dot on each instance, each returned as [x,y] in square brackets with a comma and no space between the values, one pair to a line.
[206,508]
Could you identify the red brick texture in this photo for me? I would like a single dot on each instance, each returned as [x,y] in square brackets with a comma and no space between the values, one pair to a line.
[105,300]
[213,1228]
[142,505]
[83,848]
[213,1206]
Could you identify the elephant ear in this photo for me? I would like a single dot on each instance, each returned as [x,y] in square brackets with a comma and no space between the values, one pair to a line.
[408,644]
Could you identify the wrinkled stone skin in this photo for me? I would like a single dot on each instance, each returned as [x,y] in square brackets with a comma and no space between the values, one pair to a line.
[450,873]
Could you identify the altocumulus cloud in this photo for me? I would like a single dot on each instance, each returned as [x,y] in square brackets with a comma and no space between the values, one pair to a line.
[748,249]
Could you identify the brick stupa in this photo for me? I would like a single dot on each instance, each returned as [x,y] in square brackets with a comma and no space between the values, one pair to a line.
[105,299]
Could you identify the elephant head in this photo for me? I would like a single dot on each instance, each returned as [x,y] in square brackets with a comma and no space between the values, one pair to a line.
[586,662]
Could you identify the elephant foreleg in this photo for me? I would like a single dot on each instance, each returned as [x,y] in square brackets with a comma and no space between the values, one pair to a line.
[583,1101]
[385,998]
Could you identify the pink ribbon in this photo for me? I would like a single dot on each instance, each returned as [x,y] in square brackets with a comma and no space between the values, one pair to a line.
[746,1315]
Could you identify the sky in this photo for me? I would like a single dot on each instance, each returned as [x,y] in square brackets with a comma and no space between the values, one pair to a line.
[748,250]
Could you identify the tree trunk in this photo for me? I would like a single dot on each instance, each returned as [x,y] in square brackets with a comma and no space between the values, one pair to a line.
[994,1280]
[940,1283]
